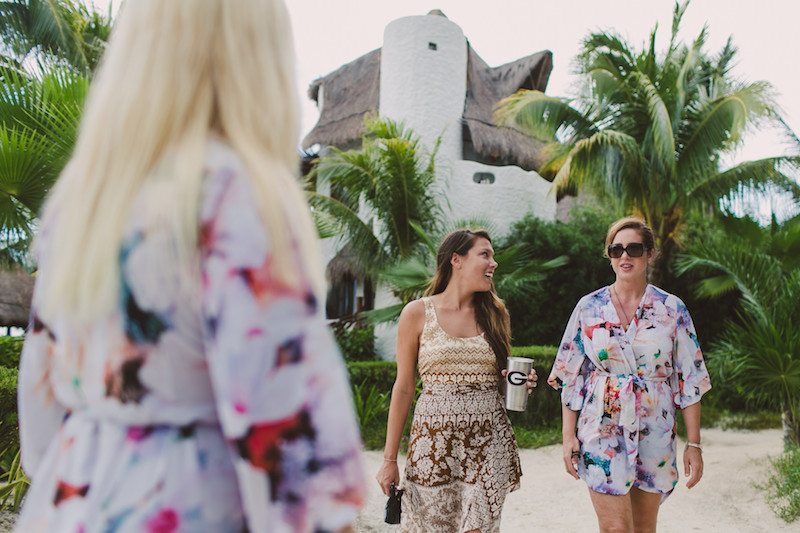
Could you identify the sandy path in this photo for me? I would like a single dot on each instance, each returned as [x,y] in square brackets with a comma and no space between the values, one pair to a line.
[725,500]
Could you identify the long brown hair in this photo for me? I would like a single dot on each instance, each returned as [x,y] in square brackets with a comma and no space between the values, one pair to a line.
[490,310]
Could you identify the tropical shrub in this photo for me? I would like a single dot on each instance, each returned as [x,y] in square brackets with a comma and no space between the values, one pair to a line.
[356,342]
[539,317]
[10,349]
[783,486]
[759,350]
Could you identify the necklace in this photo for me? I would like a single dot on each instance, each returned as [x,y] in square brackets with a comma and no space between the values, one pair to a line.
[622,306]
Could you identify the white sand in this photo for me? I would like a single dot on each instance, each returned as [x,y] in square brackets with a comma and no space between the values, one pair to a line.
[726,499]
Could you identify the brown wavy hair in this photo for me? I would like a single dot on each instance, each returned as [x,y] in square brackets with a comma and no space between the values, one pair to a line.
[490,310]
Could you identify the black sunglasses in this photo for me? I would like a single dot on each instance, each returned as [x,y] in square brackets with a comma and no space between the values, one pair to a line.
[634,249]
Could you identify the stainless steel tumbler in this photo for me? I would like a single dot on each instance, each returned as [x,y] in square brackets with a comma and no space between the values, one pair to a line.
[516,383]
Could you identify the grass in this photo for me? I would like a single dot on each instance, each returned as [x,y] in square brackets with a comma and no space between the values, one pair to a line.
[721,418]
[783,485]
[537,437]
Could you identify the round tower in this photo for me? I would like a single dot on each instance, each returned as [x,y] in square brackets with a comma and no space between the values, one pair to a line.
[424,79]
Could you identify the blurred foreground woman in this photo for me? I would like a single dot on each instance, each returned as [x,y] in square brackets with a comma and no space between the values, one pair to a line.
[177,374]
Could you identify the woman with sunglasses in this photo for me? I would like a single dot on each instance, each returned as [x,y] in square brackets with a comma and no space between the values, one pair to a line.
[628,358]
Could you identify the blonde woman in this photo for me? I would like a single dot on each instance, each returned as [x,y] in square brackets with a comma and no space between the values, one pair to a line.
[629,358]
[177,374]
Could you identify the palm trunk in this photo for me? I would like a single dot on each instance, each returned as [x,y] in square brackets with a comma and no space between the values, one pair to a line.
[663,262]
[791,428]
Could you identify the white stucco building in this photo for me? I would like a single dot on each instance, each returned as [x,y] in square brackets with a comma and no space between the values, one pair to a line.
[427,76]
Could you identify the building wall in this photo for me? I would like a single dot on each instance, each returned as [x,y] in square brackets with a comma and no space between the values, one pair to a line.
[513,194]
[426,90]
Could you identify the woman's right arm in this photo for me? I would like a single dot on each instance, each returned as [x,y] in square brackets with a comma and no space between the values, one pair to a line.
[571,445]
[568,376]
[409,329]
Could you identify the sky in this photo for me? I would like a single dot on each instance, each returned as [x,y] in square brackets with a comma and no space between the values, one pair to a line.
[330,33]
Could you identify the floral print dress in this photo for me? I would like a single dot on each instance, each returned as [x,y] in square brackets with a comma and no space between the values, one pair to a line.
[222,406]
[626,385]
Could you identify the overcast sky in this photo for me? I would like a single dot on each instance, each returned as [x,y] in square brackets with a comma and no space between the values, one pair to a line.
[331,33]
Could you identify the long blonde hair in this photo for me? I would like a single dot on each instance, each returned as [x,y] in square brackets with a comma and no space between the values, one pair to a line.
[175,73]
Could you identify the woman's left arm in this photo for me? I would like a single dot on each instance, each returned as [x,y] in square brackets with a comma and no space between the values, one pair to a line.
[692,456]
[689,382]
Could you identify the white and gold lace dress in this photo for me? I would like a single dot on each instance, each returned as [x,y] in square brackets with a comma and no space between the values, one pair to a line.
[462,455]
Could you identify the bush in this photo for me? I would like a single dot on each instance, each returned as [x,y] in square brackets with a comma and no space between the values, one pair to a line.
[538,437]
[539,317]
[783,486]
[10,349]
[9,428]
[356,342]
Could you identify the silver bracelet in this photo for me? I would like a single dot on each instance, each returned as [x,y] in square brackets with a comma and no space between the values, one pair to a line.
[694,445]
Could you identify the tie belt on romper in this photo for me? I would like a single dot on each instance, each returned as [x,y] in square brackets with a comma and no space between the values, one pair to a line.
[630,389]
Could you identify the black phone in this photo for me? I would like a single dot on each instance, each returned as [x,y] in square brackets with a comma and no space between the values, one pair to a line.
[393,505]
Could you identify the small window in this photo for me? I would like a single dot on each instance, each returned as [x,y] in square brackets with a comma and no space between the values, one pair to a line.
[483,178]
[432,46]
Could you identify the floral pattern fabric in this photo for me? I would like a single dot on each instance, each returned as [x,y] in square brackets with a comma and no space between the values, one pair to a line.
[462,455]
[217,406]
[626,385]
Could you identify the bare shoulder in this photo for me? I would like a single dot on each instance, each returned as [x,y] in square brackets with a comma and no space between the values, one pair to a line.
[412,317]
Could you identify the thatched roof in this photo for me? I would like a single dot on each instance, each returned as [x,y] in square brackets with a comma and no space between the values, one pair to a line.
[343,265]
[352,91]
[485,87]
[16,291]
[349,93]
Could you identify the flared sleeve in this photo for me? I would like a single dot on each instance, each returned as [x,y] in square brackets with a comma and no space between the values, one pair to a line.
[690,379]
[280,383]
[569,373]
[40,413]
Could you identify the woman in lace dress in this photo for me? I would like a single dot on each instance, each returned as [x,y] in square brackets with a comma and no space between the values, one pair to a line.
[462,455]
[630,358]
[177,374]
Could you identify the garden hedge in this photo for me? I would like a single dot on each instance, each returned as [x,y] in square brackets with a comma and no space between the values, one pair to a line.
[544,406]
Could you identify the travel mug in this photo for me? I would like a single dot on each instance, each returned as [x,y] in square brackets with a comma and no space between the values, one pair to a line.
[516,383]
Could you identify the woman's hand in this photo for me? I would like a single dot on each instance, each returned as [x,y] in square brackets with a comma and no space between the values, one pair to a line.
[388,474]
[572,454]
[692,465]
[532,377]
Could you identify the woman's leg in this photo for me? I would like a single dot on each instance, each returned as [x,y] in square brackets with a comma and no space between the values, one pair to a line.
[614,514]
[645,510]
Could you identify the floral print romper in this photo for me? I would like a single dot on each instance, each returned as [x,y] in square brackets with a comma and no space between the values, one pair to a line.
[221,407]
[626,385]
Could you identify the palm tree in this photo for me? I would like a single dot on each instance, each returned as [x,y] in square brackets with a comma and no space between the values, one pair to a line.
[38,127]
[383,204]
[648,131]
[382,196]
[760,349]
[66,33]
[50,50]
